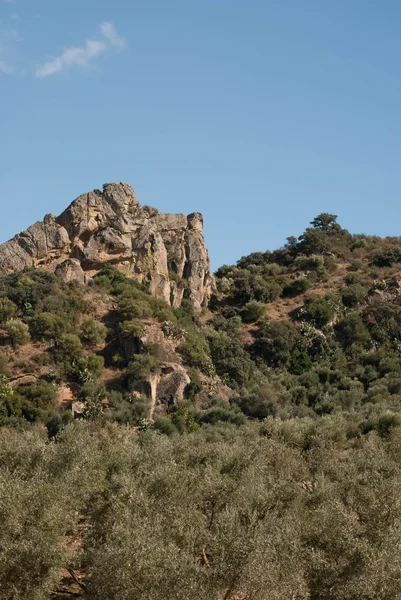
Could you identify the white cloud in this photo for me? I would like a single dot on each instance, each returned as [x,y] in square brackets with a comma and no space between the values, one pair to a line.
[6,68]
[82,56]
[110,32]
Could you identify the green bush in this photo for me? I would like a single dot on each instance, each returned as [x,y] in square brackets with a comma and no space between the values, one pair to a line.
[318,311]
[354,294]
[18,332]
[351,330]
[388,258]
[253,311]
[295,288]
[8,310]
[93,332]
[196,353]
[47,326]
[143,366]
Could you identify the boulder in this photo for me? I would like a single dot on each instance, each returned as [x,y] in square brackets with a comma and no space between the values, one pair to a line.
[172,383]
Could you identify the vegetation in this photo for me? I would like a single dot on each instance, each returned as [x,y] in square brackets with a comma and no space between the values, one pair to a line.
[288,431]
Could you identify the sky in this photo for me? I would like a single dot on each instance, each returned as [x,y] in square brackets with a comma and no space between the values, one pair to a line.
[260,114]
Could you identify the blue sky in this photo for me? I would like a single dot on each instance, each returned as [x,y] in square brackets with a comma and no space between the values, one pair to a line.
[258,113]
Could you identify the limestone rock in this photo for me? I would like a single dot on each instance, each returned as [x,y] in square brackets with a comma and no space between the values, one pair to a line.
[167,251]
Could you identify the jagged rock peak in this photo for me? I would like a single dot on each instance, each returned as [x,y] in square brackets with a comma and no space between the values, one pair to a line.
[168,251]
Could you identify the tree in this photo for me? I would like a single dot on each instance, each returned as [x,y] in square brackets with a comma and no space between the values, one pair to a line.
[326,222]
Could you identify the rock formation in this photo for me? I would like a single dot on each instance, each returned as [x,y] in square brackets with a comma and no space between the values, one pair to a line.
[166,251]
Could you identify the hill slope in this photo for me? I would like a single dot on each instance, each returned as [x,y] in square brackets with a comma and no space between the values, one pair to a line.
[311,329]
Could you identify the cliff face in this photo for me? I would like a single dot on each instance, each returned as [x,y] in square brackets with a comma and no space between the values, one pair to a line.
[168,251]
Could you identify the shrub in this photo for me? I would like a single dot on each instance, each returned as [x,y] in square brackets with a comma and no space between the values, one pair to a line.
[388,258]
[253,310]
[143,366]
[132,329]
[318,311]
[93,332]
[275,341]
[8,310]
[132,308]
[351,330]
[230,359]
[18,332]
[68,348]
[353,294]
[47,326]
[196,353]
[296,287]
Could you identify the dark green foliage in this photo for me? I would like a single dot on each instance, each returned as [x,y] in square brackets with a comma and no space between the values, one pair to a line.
[326,222]
[351,330]
[354,294]
[275,342]
[253,310]
[383,319]
[143,366]
[260,404]
[295,288]
[319,311]
[388,258]
[8,310]
[230,359]
[33,403]
[195,352]
[126,409]
[47,326]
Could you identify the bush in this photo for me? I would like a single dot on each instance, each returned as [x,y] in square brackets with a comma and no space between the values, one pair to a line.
[388,258]
[93,332]
[8,310]
[143,367]
[18,332]
[275,342]
[296,287]
[253,311]
[354,294]
[351,330]
[132,308]
[132,329]
[47,326]
[68,349]
[318,311]
[196,353]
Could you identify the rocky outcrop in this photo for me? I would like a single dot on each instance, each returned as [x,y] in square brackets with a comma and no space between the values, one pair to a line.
[166,251]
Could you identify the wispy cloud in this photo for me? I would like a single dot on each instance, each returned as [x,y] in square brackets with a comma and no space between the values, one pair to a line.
[110,33]
[80,57]
[84,55]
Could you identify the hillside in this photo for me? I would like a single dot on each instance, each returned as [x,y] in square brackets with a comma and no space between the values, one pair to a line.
[261,403]
[311,329]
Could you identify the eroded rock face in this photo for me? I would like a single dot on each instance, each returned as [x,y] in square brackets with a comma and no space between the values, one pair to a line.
[167,251]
